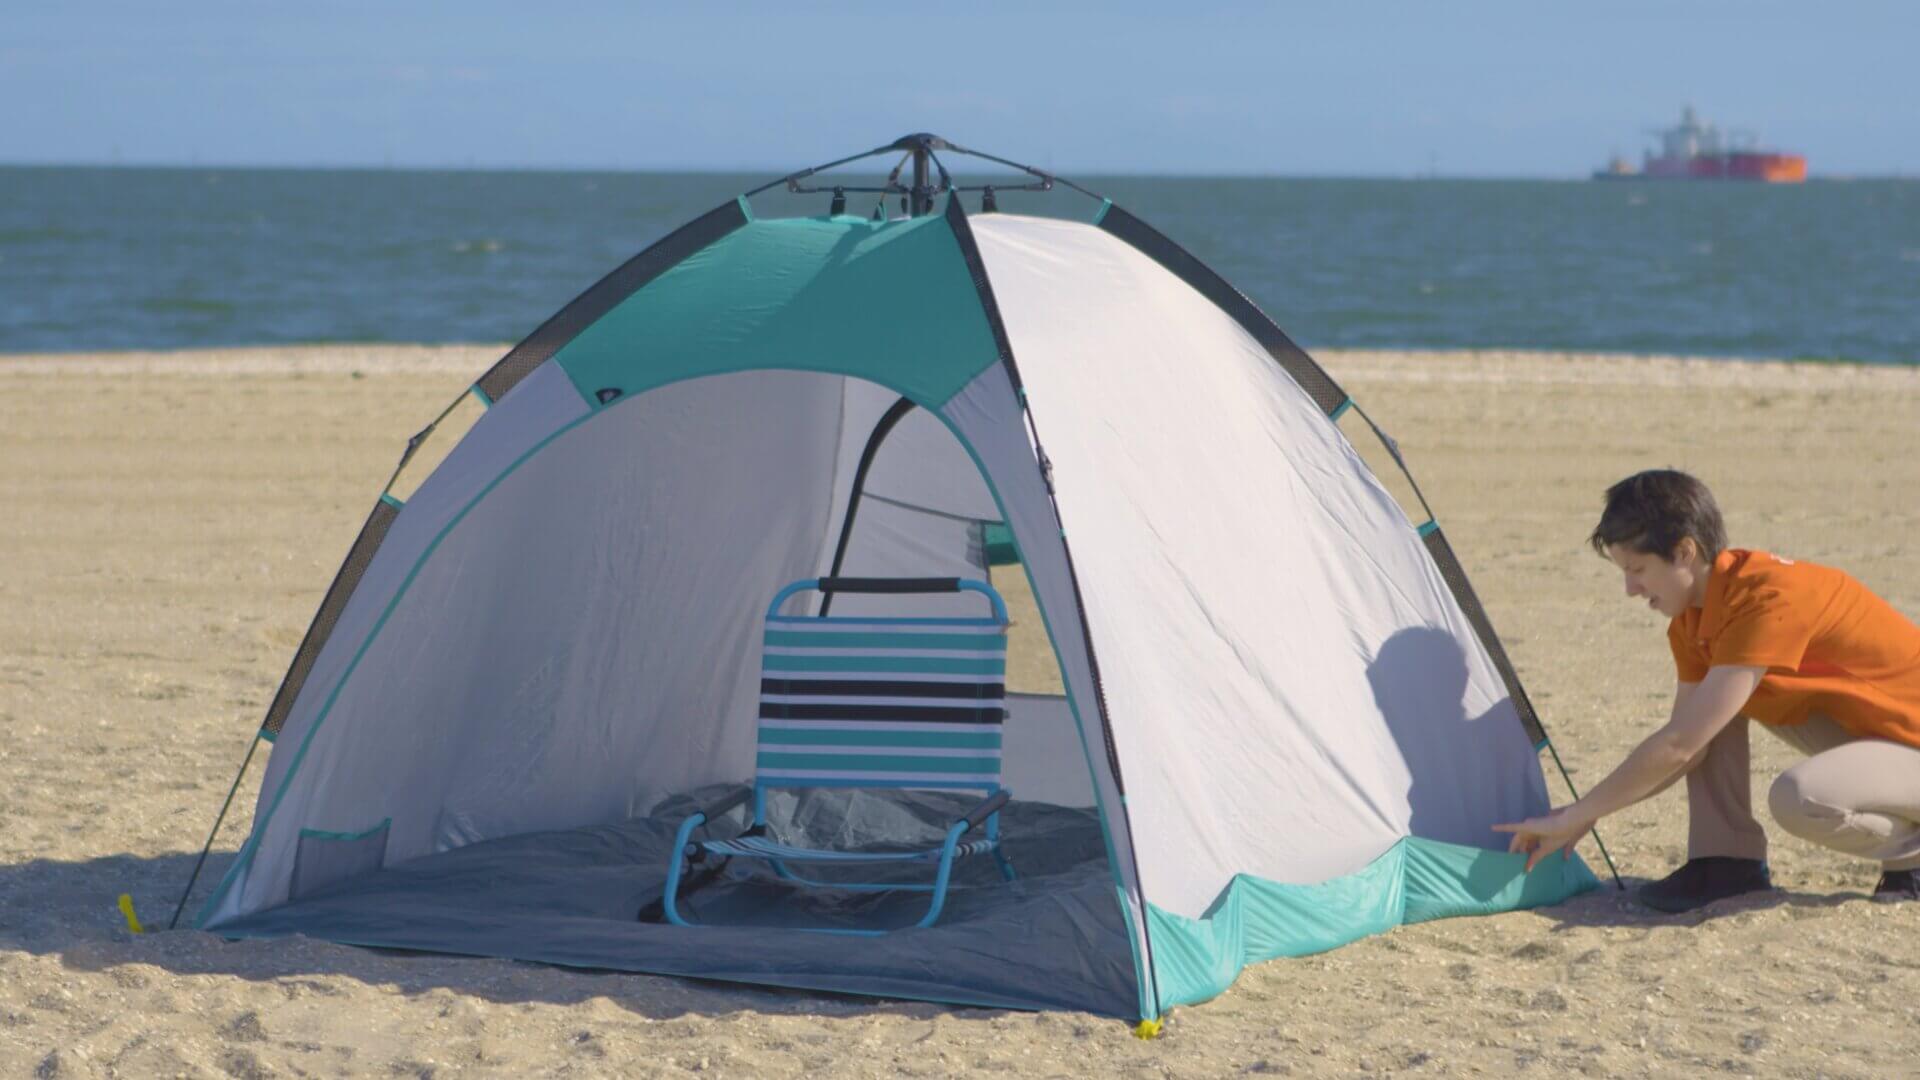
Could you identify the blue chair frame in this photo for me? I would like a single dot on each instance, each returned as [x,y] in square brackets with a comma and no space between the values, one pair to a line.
[754,843]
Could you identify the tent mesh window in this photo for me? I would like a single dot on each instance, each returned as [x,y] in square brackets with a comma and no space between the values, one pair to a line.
[1456,579]
[358,558]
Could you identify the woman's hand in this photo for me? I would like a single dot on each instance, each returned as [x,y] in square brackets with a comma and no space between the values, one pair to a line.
[1542,836]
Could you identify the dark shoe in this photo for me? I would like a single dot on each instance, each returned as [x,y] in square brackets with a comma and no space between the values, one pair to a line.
[1897,885]
[1702,881]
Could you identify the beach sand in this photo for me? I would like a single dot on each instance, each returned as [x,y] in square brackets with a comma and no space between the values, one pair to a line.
[168,523]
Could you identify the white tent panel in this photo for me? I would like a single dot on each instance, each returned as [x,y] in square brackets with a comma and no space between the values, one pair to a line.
[539,405]
[1043,760]
[635,554]
[921,464]
[890,539]
[1269,628]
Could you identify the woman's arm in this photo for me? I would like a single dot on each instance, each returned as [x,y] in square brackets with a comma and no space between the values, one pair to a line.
[1700,713]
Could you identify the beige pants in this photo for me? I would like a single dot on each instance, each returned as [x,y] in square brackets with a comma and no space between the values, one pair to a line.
[1859,796]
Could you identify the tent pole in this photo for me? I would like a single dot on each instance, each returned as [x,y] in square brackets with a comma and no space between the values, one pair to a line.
[922,190]
[880,430]
[218,818]
[1551,749]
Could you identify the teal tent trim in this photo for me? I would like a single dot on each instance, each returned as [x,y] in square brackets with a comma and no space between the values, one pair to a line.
[887,301]
[1416,880]
[606,294]
[326,834]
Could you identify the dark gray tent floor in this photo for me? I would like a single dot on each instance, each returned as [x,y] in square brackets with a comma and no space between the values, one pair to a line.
[1054,938]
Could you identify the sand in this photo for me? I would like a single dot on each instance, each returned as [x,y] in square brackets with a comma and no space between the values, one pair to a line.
[169,521]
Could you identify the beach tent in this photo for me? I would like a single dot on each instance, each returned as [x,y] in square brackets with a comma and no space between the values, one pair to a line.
[1282,721]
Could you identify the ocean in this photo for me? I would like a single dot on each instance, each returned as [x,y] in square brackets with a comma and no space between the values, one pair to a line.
[136,258]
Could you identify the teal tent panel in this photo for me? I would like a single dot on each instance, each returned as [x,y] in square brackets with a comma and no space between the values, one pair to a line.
[1413,881]
[891,302]
[999,544]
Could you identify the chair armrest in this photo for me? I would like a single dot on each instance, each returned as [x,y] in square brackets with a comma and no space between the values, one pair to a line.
[889,585]
[724,805]
[986,809]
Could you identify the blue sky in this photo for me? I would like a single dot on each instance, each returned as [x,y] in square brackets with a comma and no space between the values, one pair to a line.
[1353,89]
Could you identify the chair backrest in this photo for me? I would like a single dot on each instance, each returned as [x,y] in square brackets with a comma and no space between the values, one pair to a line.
[863,701]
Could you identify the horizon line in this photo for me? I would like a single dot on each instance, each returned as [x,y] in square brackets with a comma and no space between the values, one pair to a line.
[775,172]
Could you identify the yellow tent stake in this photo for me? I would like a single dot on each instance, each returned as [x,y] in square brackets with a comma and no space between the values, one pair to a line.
[126,908]
[1148,1029]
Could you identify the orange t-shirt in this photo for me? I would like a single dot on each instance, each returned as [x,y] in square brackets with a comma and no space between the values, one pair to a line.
[1829,645]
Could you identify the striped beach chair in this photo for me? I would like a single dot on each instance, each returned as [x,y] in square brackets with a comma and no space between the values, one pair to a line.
[871,702]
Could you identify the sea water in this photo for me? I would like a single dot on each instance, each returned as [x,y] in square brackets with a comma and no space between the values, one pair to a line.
[126,258]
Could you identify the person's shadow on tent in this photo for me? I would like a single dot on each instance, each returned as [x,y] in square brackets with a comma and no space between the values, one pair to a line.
[1419,681]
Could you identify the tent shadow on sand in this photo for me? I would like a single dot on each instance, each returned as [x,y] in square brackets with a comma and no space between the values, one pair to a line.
[67,910]
[1608,906]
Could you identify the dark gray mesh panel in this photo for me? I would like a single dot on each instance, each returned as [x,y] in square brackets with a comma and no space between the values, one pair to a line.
[1311,377]
[587,308]
[361,554]
[1456,579]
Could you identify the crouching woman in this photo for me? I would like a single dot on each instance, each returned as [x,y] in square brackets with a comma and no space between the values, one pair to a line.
[1805,651]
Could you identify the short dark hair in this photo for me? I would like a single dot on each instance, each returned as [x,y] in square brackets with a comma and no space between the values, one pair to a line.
[1652,511]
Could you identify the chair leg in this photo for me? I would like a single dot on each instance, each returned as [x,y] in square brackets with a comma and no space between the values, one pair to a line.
[680,855]
[684,851]
[999,853]
[940,879]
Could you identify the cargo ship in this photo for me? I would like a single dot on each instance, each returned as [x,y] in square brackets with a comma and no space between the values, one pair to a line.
[1697,151]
